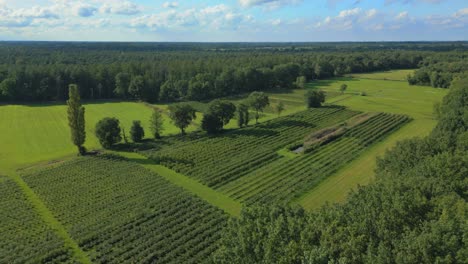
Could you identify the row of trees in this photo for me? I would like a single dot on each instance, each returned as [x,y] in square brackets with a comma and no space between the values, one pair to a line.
[218,114]
[170,76]
[415,211]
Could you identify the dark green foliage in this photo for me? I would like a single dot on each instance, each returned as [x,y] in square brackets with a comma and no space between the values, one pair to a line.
[174,72]
[224,110]
[243,117]
[315,98]
[258,101]
[182,115]
[122,82]
[263,234]
[439,70]
[211,123]
[76,118]
[137,86]
[137,133]
[108,132]
[156,123]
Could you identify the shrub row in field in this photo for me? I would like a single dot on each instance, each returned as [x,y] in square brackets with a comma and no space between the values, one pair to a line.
[216,161]
[119,212]
[24,237]
[284,180]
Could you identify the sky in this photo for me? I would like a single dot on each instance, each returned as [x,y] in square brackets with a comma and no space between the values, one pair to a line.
[234,20]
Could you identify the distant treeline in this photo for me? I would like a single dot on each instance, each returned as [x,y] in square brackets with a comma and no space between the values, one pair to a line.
[159,72]
[440,69]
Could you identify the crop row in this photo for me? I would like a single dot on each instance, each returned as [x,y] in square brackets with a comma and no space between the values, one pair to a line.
[24,237]
[284,180]
[216,161]
[119,212]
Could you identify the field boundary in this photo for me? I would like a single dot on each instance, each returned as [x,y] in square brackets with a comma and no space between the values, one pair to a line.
[47,216]
[202,191]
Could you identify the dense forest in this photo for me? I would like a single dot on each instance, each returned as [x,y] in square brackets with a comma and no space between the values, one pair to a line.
[414,212]
[167,72]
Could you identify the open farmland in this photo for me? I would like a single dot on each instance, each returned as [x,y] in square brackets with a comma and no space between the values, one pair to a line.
[125,213]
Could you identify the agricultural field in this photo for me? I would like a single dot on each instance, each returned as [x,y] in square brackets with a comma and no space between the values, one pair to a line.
[25,238]
[283,180]
[218,160]
[125,213]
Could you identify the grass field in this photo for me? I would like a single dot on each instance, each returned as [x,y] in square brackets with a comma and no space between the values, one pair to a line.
[33,133]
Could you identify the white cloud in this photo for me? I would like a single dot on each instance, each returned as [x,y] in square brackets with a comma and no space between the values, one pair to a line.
[120,8]
[269,4]
[214,17]
[170,5]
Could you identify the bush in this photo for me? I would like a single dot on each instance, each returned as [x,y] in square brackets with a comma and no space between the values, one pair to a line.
[136,132]
[108,132]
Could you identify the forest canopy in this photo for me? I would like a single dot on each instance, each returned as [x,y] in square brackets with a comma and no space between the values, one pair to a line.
[167,72]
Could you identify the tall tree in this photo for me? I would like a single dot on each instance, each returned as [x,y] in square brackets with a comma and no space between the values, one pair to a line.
[156,123]
[182,115]
[136,131]
[122,82]
[136,87]
[76,118]
[224,110]
[258,101]
[243,115]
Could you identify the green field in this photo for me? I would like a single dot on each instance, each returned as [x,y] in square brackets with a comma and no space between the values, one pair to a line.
[394,75]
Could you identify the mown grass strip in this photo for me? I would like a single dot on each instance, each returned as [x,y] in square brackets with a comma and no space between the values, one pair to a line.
[49,218]
[361,171]
[213,197]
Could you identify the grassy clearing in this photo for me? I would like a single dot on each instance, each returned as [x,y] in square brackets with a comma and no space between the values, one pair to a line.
[40,132]
[394,75]
[215,198]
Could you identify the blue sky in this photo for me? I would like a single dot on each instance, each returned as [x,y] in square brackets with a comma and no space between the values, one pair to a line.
[234,20]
